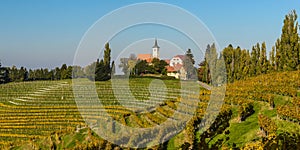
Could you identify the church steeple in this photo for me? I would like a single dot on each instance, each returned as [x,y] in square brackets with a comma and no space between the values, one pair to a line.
[155,44]
[155,49]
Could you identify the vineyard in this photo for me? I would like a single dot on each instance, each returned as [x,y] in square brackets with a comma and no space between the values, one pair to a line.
[44,114]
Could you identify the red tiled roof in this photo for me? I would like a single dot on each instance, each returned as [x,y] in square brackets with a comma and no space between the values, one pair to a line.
[170,69]
[143,56]
[180,56]
[149,60]
[167,61]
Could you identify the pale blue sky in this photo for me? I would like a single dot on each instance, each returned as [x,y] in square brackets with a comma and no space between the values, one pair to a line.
[46,33]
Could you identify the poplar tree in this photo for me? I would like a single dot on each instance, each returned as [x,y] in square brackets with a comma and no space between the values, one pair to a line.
[103,68]
[228,54]
[253,68]
[257,63]
[272,65]
[263,59]
[287,47]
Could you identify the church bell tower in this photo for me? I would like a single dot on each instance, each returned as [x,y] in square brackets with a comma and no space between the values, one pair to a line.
[155,50]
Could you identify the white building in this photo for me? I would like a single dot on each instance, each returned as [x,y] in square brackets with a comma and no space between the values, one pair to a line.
[178,59]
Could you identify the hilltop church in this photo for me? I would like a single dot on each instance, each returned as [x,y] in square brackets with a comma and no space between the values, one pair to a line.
[175,64]
[149,57]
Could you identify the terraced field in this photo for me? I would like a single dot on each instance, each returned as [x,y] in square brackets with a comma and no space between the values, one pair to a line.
[39,110]
[33,110]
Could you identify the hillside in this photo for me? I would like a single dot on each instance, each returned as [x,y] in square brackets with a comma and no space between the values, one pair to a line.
[44,114]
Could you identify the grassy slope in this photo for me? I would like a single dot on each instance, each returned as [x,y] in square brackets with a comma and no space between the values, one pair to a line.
[248,130]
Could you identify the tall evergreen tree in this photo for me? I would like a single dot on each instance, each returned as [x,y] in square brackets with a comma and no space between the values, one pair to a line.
[244,64]
[107,53]
[205,67]
[113,68]
[258,64]
[278,57]
[253,68]
[103,68]
[188,65]
[212,57]
[287,47]
[237,57]
[64,72]
[99,72]
[228,54]
[272,61]
[263,59]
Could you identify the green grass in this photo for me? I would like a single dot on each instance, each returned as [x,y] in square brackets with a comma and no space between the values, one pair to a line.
[245,131]
[171,144]
[282,100]
[285,126]
[70,139]
[176,141]
[241,133]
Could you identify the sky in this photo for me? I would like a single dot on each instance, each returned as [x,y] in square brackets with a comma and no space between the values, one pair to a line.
[46,34]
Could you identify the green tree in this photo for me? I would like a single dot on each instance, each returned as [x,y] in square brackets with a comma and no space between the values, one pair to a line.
[287,46]
[141,67]
[221,71]
[64,72]
[237,65]
[90,70]
[13,73]
[127,64]
[162,67]
[4,74]
[23,74]
[188,65]
[100,71]
[103,68]
[107,53]
[190,56]
[113,68]
[69,72]
[155,66]
[258,65]
[158,66]
[228,54]
[254,61]
[131,63]
[57,73]
[272,59]
[78,72]
[263,59]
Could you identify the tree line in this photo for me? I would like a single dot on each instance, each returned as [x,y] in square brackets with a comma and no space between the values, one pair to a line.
[241,63]
[14,74]
[98,71]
